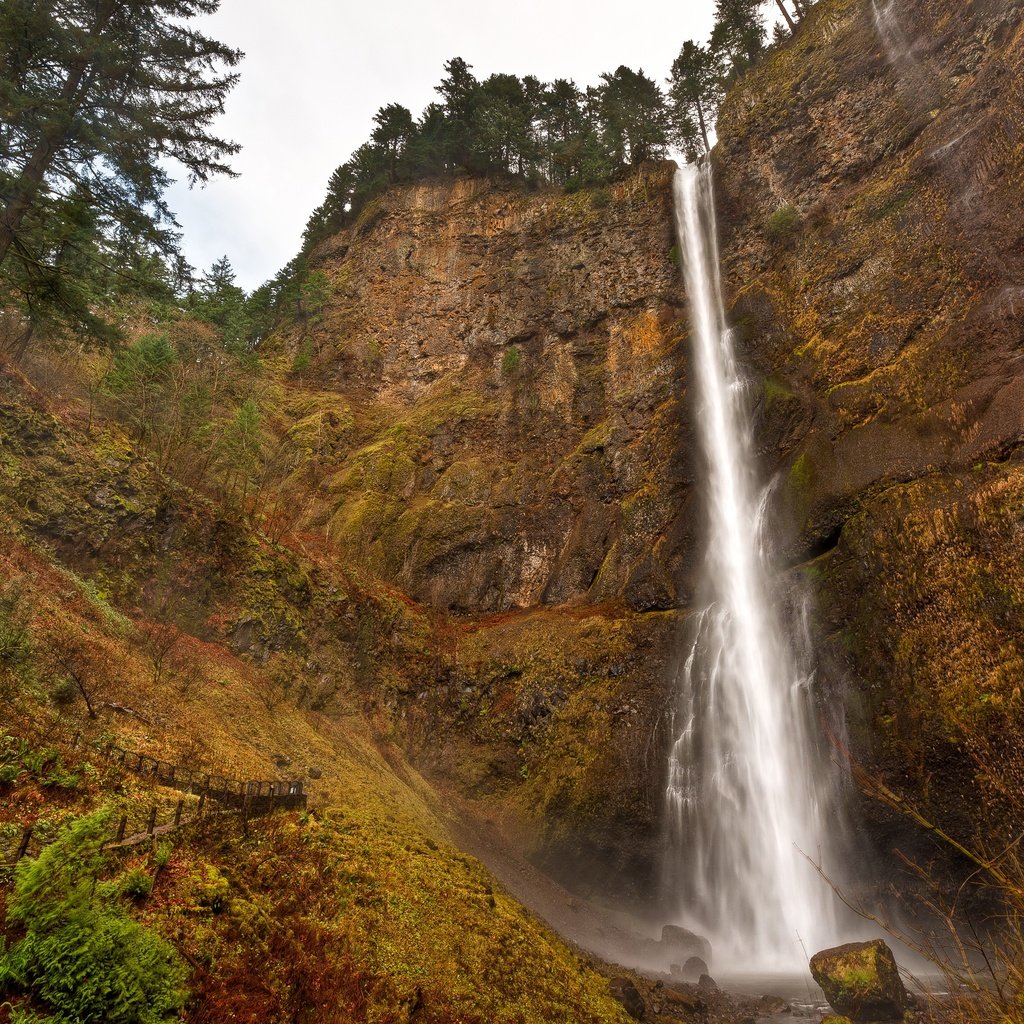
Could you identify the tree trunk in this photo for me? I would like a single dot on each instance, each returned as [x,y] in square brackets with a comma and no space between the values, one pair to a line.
[703,126]
[26,188]
[785,14]
[25,192]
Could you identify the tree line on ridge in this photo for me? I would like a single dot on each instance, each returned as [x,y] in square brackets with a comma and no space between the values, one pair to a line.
[99,97]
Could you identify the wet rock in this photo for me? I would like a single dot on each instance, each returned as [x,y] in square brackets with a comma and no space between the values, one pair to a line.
[861,981]
[623,990]
[772,1006]
[650,587]
[243,636]
[315,773]
[707,984]
[693,969]
[684,944]
[687,1002]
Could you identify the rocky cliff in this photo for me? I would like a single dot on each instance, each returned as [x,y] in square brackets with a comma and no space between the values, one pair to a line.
[870,182]
[509,371]
[513,363]
[510,428]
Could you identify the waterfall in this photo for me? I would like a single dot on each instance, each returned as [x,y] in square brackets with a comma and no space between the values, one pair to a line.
[917,85]
[898,47]
[751,790]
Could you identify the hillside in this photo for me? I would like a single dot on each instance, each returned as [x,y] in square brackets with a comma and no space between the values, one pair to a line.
[442,563]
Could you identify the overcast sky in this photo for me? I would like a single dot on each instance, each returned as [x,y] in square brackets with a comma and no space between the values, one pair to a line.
[316,71]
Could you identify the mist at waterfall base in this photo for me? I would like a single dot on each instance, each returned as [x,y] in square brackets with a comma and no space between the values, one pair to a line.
[753,795]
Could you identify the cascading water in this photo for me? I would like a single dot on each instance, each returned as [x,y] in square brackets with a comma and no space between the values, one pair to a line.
[750,789]
[897,46]
[917,86]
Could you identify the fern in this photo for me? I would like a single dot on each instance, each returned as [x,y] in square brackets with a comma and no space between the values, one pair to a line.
[81,954]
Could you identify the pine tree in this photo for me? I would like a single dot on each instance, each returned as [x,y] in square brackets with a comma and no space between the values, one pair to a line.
[459,90]
[394,131]
[738,38]
[428,154]
[695,92]
[504,134]
[221,302]
[96,98]
[634,117]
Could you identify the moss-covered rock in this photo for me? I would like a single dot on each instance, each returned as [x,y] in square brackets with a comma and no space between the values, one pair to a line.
[861,981]
[887,329]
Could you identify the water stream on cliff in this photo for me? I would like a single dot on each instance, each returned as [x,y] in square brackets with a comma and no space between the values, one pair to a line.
[890,30]
[751,789]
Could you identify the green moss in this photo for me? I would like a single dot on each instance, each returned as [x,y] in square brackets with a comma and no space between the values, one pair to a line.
[597,439]
[777,390]
[783,225]
[468,482]
[511,361]
[801,475]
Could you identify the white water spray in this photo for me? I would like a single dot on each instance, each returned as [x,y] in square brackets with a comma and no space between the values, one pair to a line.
[898,46]
[917,84]
[750,789]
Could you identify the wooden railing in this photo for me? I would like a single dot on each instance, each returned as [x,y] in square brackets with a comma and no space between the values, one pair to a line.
[205,795]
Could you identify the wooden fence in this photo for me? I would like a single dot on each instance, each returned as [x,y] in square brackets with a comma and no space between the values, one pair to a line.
[205,795]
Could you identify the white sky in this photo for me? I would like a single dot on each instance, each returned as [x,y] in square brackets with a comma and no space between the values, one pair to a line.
[316,72]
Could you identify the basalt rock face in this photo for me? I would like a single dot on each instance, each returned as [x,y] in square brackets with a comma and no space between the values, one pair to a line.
[511,442]
[514,362]
[870,182]
[506,371]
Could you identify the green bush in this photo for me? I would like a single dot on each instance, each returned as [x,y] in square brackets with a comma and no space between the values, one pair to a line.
[303,357]
[82,955]
[44,764]
[162,855]
[136,884]
[783,224]
[511,362]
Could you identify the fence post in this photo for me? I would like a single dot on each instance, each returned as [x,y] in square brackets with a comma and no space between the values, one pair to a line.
[25,840]
[152,821]
[121,827]
[177,813]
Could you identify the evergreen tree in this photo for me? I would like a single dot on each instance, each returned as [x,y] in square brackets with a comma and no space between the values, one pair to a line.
[634,117]
[695,93]
[333,213]
[459,90]
[786,15]
[96,97]
[394,131]
[220,301]
[564,129]
[428,149]
[504,125]
[738,38]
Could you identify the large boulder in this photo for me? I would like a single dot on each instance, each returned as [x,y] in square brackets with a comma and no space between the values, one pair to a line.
[682,944]
[861,981]
[694,968]
[627,993]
